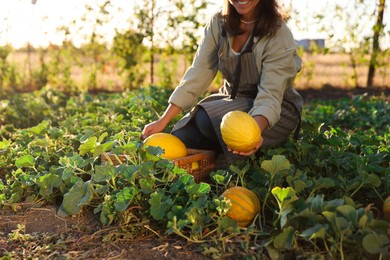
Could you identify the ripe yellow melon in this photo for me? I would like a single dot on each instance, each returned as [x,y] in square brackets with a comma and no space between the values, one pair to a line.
[245,205]
[386,208]
[173,147]
[194,165]
[240,131]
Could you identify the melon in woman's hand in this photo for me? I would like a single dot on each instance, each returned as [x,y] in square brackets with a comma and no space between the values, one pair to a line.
[240,131]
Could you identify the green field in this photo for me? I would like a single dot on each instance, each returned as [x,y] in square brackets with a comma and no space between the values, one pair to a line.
[321,196]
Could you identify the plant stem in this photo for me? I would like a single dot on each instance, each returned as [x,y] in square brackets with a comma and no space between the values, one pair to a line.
[358,188]
[341,247]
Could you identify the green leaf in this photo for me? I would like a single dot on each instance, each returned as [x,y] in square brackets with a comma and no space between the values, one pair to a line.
[102,136]
[128,170]
[67,173]
[4,146]
[48,182]
[80,194]
[323,183]
[318,231]
[348,212]
[107,214]
[86,136]
[103,172]
[25,161]
[88,146]
[284,195]
[370,179]
[343,225]
[2,186]
[218,178]
[198,189]
[285,240]
[39,143]
[363,221]
[299,186]
[159,205]
[39,129]
[124,198]
[375,243]
[226,224]
[317,203]
[102,148]
[147,185]
[278,164]
[331,218]
[331,205]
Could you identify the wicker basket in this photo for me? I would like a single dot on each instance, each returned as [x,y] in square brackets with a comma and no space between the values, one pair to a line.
[198,163]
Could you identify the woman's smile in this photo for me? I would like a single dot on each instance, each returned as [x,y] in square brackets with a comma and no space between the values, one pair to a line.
[245,8]
[242,3]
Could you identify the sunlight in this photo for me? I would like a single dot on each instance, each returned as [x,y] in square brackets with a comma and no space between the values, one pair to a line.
[37,22]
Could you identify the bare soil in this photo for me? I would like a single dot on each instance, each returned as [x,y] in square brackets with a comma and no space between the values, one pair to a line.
[45,235]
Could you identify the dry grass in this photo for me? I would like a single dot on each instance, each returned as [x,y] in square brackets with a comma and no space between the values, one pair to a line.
[317,71]
[336,70]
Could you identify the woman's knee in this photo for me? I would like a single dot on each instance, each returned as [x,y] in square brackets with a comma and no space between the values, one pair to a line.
[204,124]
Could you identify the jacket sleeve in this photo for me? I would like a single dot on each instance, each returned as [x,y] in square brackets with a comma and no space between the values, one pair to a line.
[201,73]
[279,65]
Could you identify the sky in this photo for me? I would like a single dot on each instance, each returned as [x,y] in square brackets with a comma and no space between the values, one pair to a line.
[21,21]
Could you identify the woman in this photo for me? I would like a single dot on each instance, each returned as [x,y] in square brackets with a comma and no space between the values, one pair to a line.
[256,53]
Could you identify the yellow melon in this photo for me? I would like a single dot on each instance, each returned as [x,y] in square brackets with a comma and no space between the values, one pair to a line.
[240,131]
[386,208]
[194,165]
[173,147]
[245,205]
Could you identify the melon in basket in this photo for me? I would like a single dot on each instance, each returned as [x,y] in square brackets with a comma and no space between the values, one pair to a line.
[240,131]
[244,205]
[173,147]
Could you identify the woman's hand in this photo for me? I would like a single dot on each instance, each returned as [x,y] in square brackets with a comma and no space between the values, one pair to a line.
[152,128]
[160,124]
[250,152]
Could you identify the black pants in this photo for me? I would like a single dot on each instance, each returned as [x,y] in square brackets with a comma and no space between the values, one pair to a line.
[199,133]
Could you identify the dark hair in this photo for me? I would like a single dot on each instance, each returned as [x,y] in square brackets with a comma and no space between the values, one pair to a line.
[269,18]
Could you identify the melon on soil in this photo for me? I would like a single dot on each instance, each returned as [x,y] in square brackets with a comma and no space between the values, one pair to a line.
[240,131]
[173,147]
[245,205]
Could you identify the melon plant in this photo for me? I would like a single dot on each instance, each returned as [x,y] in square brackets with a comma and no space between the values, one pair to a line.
[173,147]
[240,131]
[244,205]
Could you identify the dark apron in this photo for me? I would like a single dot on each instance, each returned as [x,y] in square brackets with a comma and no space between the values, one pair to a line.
[230,98]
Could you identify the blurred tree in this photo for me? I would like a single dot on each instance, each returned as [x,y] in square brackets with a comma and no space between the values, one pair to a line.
[62,61]
[176,25]
[378,32]
[8,73]
[185,20]
[96,47]
[147,14]
[347,35]
[128,46]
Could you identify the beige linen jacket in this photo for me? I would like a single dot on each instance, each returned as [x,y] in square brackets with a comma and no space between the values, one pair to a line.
[277,64]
